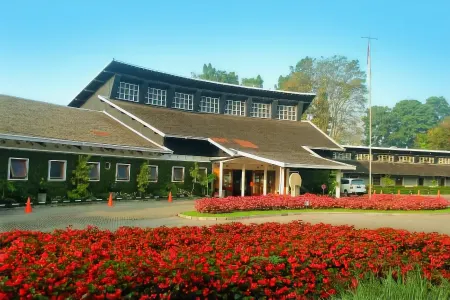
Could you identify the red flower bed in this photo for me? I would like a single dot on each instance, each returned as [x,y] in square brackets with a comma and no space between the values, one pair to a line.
[277,261]
[277,202]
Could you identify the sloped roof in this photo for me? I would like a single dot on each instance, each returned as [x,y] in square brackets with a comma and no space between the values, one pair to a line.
[401,168]
[27,118]
[118,67]
[277,140]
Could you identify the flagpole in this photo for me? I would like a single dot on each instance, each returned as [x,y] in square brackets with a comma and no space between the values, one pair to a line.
[369,86]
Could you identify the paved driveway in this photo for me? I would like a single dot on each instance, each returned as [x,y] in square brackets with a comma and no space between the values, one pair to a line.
[154,214]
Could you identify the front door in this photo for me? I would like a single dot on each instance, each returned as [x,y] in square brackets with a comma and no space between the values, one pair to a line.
[258,183]
[237,175]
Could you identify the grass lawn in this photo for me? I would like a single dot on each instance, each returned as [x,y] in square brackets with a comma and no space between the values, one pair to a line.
[286,211]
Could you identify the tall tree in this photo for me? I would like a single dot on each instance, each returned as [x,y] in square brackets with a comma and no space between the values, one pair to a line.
[410,118]
[440,107]
[381,126]
[212,74]
[340,87]
[253,82]
[437,138]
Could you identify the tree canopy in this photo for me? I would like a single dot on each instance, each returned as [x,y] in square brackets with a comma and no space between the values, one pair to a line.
[437,138]
[253,82]
[213,74]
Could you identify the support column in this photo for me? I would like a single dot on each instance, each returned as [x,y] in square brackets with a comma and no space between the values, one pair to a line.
[243,181]
[286,184]
[338,187]
[265,181]
[221,179]
[281,186]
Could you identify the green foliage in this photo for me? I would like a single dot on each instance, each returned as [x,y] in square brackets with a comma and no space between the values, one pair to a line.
[80,178]
[142,178]
[437,138]
[253,82]
[381,126]
[387,181]
[411,286]
[212,74]
[340,87]
[6,186]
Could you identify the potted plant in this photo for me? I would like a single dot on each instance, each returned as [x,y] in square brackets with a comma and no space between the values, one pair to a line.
[42,191]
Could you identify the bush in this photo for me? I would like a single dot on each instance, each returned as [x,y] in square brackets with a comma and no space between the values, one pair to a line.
[278,202]
[271,260]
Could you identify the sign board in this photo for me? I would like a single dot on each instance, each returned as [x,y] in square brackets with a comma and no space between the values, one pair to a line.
[295,182]
[324,186]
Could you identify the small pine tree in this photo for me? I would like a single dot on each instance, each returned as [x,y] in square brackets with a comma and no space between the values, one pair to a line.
[80,178]
[142,178]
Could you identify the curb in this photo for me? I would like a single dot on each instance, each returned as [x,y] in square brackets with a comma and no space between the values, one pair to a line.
[299,213]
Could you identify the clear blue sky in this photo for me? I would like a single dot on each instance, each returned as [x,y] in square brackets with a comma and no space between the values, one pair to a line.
[50,50]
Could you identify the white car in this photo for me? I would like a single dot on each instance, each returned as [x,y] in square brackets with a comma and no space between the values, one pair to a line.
[353,186]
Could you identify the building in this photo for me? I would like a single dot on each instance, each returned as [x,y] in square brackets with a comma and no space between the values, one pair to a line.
[252,138]
[406,167]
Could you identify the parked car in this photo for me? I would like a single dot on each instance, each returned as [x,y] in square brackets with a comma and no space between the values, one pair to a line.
[353,186]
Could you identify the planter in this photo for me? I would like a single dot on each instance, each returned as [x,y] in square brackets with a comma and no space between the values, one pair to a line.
[42,197]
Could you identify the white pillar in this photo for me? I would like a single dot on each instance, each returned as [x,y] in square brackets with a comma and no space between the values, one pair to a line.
[338,187]
[286,183]
[281,188]
[243,181]
[221,179]
[265,181]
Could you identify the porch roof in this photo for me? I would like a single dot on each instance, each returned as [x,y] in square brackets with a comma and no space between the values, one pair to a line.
[283,143]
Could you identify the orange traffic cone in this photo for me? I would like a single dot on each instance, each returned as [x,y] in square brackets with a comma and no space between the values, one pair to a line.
[170,197]
[418,192]
[374,192]
[439,194]
[381,192]
[398,192]
[110,202]
[28,208]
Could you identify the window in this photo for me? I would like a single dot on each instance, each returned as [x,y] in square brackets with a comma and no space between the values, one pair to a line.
[444,161]
[18,168]
[129,91]
[342,155]
[209,105]
[177,174]
[203,172]
[107,165]
[57,170]
[376,180]
[345,181]
[287,112]
[152,173]
[260,110]
[363,157]
[426,160]
[183,101]
[386,158]
[236,108]
[123,172]
[94,172]
[156,96]
[406,159]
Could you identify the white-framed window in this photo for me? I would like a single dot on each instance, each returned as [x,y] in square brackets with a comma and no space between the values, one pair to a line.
[406,159]
[444,161]
[235,107]
[287,112]
[177,174]
[342,155]
[94,172]
[57,170]
[426,160]
[128,91]
[183,101]
[152,173]
[209,105]
[386,158]
[156,96]
[18,168]
[260,110]
[123,172]
[363,157]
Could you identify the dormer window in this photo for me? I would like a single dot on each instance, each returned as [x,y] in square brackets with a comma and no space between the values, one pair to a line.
[426,160]
[183,101]
[287,112]
[209,105]
[260,110]
[235,107]
[406,159]
[156,97]
[128,91]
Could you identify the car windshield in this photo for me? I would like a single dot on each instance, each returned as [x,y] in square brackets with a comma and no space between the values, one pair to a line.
[358,182]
